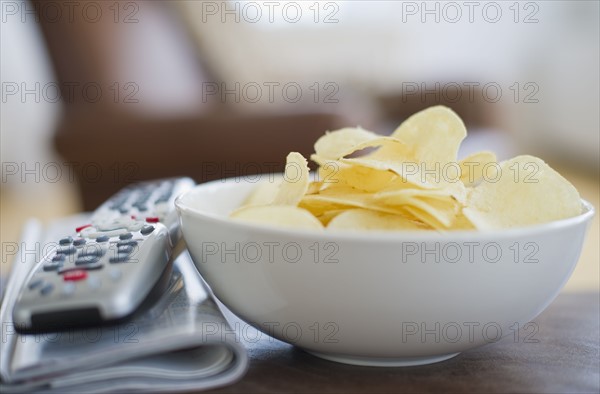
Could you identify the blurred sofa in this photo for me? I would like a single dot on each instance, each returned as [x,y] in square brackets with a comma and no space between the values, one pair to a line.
[168,128]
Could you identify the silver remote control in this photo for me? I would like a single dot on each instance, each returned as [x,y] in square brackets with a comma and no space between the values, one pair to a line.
[105,271]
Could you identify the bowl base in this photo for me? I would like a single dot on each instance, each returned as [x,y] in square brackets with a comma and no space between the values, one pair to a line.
[382,361]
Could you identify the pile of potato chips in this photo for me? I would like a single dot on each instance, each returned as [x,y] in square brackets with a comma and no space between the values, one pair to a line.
[409,181]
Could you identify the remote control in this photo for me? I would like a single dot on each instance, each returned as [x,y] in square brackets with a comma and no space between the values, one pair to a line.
[108,268]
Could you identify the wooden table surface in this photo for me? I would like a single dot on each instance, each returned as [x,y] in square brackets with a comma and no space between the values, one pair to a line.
[565,359]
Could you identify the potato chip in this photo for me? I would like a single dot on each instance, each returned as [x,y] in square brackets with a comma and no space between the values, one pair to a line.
[434,135]
[340,143]
[295,181]
[278,215]
[264,193]
[462,223]
[426,158]
[339,197]
[314,187]
[453,191]
[432,211]
[364,219]
[334,172]
[344,197]
[473,166]
[411,171]
[327,216]
[527,192]
[408,171]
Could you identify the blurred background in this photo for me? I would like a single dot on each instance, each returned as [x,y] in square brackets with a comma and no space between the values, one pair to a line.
[99,94]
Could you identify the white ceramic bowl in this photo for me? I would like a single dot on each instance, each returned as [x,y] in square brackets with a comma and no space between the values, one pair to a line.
[377,298]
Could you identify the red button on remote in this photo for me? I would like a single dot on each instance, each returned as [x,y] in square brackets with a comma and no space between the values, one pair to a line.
[78,229]
[74,275]
[152,219]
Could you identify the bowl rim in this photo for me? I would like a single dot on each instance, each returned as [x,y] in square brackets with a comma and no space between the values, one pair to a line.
[586,215]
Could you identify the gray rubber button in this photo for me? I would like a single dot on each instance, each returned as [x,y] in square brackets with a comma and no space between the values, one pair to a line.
[66,241]
[120,258]
[59,257]
[47,289]
[146,230]
[126,243]
[35,284]
[125,236]
[85,260]
[52,266]
[67,250]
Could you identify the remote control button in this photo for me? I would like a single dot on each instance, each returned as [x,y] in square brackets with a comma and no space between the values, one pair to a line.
[102,238]
[120,258]
[123,210]
[66,241]
[125,249]
[147,230]
[88,267]
[112,233]
[87,259]
[115,274]
[152,219]
[142,208]
[59,258]
[68,288]
[74,275]
[47,289]
[35,283]
[131,242]
[78,229]
[125,236]
[79,242]
[68,250]
[92,250]
[94,282]
[52,266]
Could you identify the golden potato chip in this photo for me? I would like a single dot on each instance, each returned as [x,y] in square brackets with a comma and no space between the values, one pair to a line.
[527,192]
[343,197]
[432,211]
[314,187]
[326,217]
[295,181]
[340,143]
[412,172]
[473,166]
[452,191]
[278,215]
[408,171]
[334,172]
[264,193]
[427,157]
[434,135]
[462,223]
[364,219]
